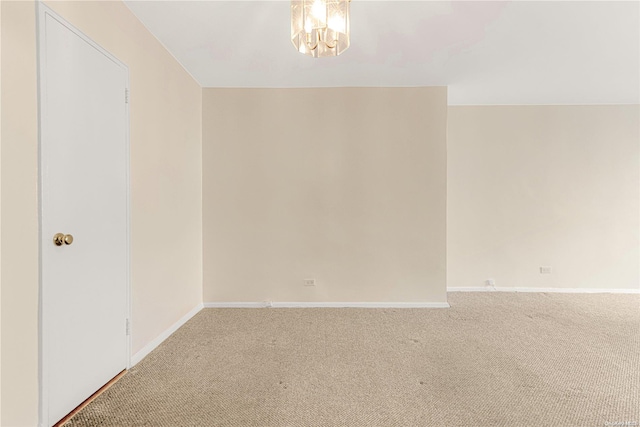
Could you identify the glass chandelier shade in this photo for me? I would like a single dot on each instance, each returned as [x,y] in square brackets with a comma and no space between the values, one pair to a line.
[320,27]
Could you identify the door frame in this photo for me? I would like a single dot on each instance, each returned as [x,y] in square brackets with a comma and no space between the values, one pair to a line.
[41,12]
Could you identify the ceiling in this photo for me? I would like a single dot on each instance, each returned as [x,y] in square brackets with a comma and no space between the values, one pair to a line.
[488,53]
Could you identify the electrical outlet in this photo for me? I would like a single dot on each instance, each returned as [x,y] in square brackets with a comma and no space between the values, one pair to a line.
[490,282]
[309,282]
[545,270]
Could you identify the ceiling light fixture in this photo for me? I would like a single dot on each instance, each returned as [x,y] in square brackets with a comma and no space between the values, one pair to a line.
[320,27]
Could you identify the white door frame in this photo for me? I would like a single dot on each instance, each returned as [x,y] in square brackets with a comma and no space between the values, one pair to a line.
[41,12]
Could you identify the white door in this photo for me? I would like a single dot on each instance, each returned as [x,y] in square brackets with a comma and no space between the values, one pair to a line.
[84,194]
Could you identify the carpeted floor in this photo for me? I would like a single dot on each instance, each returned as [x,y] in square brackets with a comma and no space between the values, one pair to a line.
[492,359]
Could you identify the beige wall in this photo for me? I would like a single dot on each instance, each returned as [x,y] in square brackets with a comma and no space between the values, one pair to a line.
[344,185]
[166,217]
[0,211]
[532,186]
[19,217]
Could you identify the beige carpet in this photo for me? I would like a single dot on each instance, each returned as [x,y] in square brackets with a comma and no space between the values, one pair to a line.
[492,359]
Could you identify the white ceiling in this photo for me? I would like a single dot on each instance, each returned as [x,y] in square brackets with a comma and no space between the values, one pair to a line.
[542,52]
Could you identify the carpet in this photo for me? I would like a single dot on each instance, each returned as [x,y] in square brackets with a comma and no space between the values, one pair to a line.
[492,359]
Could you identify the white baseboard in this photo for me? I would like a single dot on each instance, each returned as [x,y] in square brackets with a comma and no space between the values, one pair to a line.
[144,351]
[326,304]
[236,304]
[542,290]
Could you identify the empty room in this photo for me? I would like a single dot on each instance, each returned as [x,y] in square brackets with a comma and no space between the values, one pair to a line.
[309,213]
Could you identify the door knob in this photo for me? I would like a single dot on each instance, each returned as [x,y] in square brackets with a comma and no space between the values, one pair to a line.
[60,239]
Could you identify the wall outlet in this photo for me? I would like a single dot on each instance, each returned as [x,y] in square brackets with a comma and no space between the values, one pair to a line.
[490,282]
[545,270]
[309,282]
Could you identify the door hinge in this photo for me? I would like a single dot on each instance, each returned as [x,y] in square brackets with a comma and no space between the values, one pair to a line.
[127,327]
[126,96]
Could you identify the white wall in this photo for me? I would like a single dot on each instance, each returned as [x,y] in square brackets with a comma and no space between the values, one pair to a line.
[532,186]
[166,169]
[344,185]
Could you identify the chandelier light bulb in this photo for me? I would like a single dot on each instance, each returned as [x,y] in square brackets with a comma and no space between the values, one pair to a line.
[319,10]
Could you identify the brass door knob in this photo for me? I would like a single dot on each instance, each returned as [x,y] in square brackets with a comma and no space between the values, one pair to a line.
[60,239]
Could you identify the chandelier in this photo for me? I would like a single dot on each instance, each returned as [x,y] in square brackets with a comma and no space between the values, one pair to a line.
[320,27]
